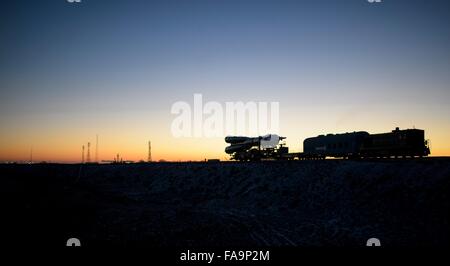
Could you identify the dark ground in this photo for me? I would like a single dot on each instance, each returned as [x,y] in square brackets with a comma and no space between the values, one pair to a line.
[404,203]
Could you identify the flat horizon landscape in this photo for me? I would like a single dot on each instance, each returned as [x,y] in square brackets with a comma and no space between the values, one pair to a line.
[328,203]
[219,160]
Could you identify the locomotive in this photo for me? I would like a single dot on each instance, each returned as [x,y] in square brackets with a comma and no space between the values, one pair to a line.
[397,143]
[354,145]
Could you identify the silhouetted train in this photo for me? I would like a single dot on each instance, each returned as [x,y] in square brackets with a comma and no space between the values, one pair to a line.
[360,144]
[398,143]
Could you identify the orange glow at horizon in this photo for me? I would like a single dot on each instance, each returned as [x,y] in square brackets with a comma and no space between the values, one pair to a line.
[132,143]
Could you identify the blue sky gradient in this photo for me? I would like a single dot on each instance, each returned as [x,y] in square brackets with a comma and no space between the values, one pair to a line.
[332,65]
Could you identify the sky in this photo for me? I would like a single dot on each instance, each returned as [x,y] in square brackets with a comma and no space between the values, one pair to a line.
[114,68]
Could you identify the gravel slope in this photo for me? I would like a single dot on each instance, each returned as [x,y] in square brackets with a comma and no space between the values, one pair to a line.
[300,203]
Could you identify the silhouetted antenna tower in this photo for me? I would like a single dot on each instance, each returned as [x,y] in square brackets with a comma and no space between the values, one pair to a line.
[88,156]
[82,154]
[96,148]
[149,159]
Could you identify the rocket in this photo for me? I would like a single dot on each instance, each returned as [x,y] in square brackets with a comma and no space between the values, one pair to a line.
[240,143]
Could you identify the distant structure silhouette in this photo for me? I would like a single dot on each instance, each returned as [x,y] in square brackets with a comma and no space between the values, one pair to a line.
[82,154]
[149,159]
[88,156]
[96,148]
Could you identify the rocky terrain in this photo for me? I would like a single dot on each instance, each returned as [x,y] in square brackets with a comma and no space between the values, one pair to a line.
[404,203]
